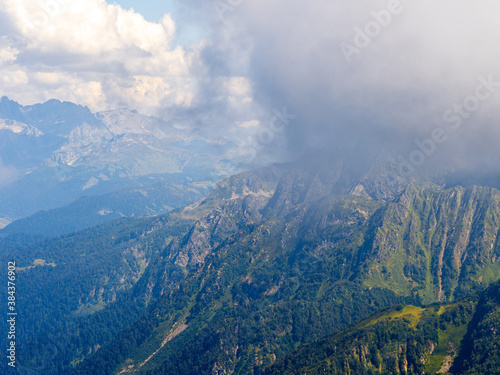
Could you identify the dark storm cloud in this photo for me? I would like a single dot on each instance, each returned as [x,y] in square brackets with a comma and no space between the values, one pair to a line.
[386,70]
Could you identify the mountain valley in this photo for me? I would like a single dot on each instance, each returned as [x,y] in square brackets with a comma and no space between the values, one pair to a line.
[269,260]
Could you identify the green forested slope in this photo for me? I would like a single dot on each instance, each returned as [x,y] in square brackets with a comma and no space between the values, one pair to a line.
[437,243]
[458,338]
[268,261]
[63,282]
[480,353]
[265,273]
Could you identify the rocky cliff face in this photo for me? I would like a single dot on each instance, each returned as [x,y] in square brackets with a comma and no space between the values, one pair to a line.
[437,243]
[284,255]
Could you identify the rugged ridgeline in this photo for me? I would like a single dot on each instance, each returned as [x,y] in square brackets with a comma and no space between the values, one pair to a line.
[269,260]
[283,256]
[437,243]
[458,338]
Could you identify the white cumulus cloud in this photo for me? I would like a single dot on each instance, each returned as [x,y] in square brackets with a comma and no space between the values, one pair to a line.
[92,53]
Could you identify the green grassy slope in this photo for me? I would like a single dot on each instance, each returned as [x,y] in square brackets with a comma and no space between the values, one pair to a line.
[458,338]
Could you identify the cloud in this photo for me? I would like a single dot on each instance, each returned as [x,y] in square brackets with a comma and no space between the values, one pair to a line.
[8,174]
[92,53]
[412,62]
[100,55]
[418,62]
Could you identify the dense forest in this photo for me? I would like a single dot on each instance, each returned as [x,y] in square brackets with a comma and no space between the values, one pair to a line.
[269,261]
[458,338]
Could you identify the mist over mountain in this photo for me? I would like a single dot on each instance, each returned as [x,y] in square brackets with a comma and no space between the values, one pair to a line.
[393,73]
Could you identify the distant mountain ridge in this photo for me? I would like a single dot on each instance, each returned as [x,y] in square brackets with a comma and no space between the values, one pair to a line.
[68,152]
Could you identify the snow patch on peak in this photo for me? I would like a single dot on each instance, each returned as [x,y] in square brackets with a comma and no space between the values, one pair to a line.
[19,128]
[125,121]
[83,141]
[105,212]
[4,222]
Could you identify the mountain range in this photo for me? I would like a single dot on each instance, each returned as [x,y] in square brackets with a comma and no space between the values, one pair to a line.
[269,261]
[59,155]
